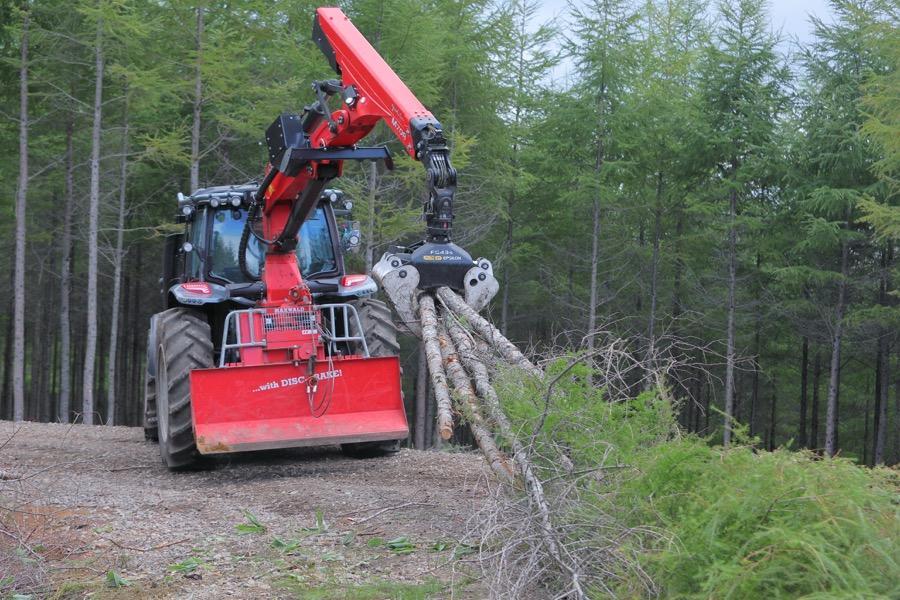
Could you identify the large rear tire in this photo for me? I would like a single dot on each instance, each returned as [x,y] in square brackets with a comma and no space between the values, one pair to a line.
[378,324]
[151,431]
[184,343]
[381,338]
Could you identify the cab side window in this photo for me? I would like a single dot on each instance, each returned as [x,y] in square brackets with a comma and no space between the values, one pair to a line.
[196,236]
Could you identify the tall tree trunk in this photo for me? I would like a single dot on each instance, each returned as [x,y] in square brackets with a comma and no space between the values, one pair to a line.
[370,221]
[18,376]
[730,350]
[6,403]
[198,104]
[118,257]
[421,393]
[90,350]
[773,417]
[595,253]
[831,415]
[65,284]
[507,267]
[137,331]
[814,408]
[881,416]
[884,365]
[804,379]
[650,359]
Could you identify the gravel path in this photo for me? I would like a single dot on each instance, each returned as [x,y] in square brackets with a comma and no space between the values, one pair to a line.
[78,503]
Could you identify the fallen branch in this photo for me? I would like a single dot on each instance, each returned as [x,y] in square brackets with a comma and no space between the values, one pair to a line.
[486,330]
[152,549]
[435,365]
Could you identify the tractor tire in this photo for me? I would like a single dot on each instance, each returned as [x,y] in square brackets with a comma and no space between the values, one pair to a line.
[378,323]
[183,344]
[151,431]
[381,338]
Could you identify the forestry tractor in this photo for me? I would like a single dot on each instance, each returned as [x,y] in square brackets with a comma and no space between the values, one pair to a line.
[266,341]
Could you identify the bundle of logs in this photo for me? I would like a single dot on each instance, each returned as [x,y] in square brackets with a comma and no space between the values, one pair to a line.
[456,340]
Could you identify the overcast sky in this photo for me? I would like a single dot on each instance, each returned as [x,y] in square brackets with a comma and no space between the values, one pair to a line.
[791,17]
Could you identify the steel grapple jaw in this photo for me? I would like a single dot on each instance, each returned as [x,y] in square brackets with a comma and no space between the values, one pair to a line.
[404,272]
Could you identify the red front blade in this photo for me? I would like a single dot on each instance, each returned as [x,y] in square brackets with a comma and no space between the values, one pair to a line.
[268,406]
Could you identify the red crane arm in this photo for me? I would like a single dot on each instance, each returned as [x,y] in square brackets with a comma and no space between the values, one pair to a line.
[308,150]
[370,91]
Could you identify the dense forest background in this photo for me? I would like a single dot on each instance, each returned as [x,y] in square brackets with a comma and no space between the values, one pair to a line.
[695,186]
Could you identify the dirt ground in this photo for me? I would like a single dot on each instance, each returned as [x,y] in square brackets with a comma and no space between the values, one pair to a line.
[91,512]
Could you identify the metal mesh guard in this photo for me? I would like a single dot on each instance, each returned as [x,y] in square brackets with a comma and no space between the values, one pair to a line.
[290,319]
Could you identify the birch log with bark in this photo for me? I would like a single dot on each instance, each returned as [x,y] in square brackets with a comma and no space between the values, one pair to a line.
[435,365]
[118,257]
[486,330]
[198,105]
[90,346]
[18,375]
[468,404]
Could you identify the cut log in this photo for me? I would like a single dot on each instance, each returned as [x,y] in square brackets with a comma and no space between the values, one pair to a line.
[486,330]
[468,406]
[429,321]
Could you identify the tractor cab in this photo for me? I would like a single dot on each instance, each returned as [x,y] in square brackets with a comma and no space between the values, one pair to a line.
[207,250]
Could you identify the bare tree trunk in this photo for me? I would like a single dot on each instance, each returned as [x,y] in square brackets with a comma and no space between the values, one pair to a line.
[814,408]
[831,415]
[773,417]
[118,257]
[730,351]
[65,284]
[370,222]
[421,391]
[884,366]
[595,264]
[804,379]
[881,415]
[90,350]
[198,105]
[654,271]
[507,267]
[18,376]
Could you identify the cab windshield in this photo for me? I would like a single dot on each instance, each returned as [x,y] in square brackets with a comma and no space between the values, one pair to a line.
[315,251]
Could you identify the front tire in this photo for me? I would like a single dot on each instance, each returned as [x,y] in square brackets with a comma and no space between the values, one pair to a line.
[381,338]
[184,344]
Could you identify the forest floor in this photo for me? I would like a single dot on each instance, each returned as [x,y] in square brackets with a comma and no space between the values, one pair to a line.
[91,512]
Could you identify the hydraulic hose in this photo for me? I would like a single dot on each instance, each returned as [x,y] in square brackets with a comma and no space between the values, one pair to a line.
[252,213]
